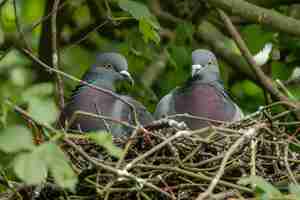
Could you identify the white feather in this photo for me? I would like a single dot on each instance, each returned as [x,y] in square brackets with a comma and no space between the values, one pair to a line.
[263,56]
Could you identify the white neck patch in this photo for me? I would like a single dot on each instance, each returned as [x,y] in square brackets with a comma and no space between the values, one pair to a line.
[196,69]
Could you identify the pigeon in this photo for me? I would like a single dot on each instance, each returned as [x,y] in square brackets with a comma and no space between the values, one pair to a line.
[202,95]
[109,72]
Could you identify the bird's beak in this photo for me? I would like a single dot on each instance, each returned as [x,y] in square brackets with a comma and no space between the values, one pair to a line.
[127,76]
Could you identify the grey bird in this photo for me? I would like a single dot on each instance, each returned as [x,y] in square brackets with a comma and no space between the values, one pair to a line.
[109,71]
[202,95]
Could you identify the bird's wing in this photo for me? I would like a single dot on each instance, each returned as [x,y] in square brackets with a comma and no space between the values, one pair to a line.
[124,112]
[165,106]
[238,112]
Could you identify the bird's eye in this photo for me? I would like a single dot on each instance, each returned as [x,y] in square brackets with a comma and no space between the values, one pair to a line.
[108,66]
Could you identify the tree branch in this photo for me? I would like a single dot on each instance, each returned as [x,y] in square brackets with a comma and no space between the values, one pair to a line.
[56,57]
[259,15]
[262,78]
[216,39]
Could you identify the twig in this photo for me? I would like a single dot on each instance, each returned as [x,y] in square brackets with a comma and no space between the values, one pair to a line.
[248,134]
[266,81]
[19,28]
[120,161]
[262,78]
[189,116]
[198,175]
[83,113]
[285,90]
[253,157]
[224,195]
[120,173]
[56,56]
[294,81]
[87,34]
[162,144]
[287,165]
[46,17]
[259,15]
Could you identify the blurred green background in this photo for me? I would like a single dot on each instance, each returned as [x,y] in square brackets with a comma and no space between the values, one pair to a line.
[157,38]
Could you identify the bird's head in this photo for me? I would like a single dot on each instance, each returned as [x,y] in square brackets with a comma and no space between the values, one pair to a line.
[204,62]
[111,68]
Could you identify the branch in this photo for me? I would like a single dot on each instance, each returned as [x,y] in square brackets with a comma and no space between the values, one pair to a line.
[118,172]
[259,15]
[287,165]
[248,134]
[56,57]
[198,175]
[164,143]
[272,3]
[216,39]
[262,78]
[293,82]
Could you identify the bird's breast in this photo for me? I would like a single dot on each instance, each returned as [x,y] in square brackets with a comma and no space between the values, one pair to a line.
[205,101]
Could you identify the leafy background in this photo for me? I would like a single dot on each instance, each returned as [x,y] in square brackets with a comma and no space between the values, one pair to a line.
[157,45]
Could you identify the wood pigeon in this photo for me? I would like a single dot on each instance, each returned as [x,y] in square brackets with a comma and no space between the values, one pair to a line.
[202,95]
[109,71]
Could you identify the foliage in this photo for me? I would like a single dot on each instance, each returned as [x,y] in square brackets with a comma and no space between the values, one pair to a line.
[147,34]
[31,163]
[266,190]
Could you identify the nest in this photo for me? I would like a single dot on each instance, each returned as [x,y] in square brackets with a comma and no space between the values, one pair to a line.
[167,163]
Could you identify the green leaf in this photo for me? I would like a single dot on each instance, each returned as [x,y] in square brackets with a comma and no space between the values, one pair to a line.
[267,188]
[294,147]
[281,70]
[30,167]
[3,114]
[38,90]
[43,109]
[148,31]
[184,32]
[58,164]
[136,9]
[16,138]
[180,56]
[295,189]
[148,25]
[104,139]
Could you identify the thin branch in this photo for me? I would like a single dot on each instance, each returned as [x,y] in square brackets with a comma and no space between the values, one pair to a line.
[293,82]
[87,34]
[56,56]
[262,78]
[253,157]
[98,116]
[287,165]
[46,17]
[259,15]
[248,134]
[164,143]
[198,175]
[119,173]
[19,28]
